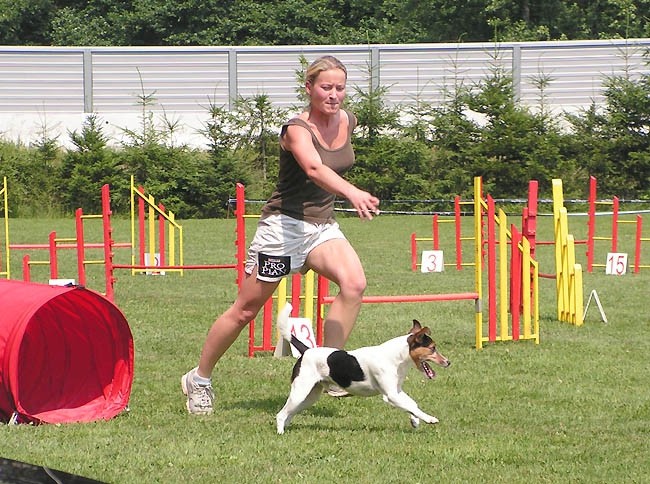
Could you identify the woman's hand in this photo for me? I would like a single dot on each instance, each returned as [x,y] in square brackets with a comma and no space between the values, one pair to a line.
[364,203]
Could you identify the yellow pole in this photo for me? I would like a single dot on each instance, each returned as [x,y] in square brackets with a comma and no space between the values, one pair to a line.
[171,239]
[558,203]
[570,264]
[536,301]
[579,295]
[133,244]
[564,261]
[6,217]
[309,296]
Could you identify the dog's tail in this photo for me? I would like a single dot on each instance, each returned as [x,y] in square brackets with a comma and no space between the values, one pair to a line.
[285,329]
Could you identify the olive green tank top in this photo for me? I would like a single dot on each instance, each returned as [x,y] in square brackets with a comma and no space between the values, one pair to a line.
[295,194]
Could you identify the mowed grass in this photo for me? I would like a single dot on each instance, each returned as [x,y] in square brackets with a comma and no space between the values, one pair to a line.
[575,408]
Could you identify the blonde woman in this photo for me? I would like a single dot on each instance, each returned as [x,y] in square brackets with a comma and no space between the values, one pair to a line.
[297,231]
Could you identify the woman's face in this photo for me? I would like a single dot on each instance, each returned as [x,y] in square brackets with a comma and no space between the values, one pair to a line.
[327,91]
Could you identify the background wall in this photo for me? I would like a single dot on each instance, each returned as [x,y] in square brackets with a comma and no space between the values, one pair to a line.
[53,89]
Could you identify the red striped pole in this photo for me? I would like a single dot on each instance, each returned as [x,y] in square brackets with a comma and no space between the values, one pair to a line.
[161,235]
[492,269]
[515,280]
[637,253]
[108,243]
[615,224]
[414,253]
[54,263]
[81,267]
[591,224]
[459,246]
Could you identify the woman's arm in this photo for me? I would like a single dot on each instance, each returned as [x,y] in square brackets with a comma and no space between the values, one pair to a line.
[298,140]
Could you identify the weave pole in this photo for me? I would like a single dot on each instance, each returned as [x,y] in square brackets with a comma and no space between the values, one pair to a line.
[568,279]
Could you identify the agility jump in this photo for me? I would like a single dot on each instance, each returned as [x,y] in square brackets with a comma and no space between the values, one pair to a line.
[155,239]
[435,238]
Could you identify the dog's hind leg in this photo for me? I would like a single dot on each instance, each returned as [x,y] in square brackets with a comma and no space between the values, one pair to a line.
[296,402]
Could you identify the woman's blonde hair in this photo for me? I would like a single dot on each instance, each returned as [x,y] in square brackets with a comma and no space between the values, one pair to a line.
[323,63]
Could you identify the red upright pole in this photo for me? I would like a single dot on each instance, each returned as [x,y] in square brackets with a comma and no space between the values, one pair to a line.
[54,264]
[322,291]
[591,224]
[141,228]
[81,245]
[492,270]
[529,222]
[161,235]
[296,283]
[267,325]
[615,224]
[240,242]
[637,252]
[26,272]
[108,243]
[459,247]
[434,230]
[414,253]
[516,272]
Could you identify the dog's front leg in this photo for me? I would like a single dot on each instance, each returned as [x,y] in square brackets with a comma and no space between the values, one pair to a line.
[402,401]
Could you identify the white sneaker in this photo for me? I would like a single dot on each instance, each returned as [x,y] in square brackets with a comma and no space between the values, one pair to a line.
[199,397]
[336,391]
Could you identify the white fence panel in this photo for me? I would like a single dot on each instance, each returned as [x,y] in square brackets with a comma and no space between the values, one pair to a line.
[58,87]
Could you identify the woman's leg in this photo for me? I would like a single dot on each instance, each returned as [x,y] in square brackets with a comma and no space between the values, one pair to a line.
[337,260]
[253,293]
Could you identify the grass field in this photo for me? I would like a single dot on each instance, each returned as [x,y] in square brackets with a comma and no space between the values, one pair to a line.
[575,408]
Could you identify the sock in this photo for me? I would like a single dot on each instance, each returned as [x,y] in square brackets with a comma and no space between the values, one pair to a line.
[199,380]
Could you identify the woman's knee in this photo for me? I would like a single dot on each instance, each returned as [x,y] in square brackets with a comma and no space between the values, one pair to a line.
[354,285]
[243,315]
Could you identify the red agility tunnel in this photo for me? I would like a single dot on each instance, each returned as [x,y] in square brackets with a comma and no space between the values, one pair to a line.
[66,354]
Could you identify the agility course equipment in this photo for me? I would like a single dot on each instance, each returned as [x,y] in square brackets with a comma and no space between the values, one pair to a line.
[156,243]
[613,238]
[591,238]
[568,273]
[521,283]
[147,227]
[66,354]
[436,221]
[158,249]
[79,244]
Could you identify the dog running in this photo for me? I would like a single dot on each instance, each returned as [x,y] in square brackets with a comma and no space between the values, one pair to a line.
[364,372]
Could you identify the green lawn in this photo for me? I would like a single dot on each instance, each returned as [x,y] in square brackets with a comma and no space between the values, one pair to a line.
[575,408]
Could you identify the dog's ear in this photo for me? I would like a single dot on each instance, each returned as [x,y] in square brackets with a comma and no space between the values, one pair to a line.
[417,327]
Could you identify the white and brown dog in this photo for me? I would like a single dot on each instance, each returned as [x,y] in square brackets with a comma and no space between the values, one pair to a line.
[362,372]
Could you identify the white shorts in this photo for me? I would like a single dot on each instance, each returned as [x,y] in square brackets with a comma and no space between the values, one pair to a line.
[282,243]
